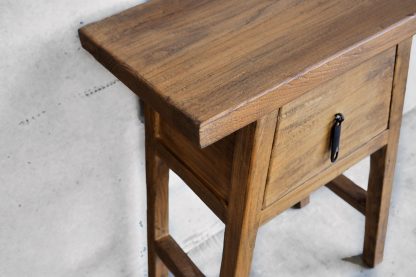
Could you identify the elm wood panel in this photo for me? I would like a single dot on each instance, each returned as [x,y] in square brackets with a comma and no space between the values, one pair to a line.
[177,261]
[323,177]
[349,192]
[217,205]
[212,164]
[157,179]
[212,67]
[302,140]
[250,164]
[382,166]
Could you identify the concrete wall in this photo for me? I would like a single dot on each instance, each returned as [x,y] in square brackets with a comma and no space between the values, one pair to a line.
[410,102]
[72,190]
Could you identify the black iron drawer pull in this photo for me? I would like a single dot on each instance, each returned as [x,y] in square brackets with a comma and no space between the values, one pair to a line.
[336,136]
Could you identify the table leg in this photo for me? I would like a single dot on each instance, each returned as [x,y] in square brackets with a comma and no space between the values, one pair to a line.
[250,166]
[157,178]
[382,166]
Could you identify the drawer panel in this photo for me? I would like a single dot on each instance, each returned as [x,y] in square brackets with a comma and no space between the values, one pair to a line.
[302,141]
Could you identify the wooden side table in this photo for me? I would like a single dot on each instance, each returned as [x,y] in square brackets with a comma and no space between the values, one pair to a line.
[256,104]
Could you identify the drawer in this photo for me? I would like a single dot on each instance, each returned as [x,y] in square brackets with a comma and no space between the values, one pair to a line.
[301,147]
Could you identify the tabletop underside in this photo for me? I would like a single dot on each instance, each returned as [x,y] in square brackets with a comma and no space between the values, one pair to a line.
[212,67]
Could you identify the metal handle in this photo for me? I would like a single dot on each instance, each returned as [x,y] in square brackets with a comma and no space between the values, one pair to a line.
[336,136]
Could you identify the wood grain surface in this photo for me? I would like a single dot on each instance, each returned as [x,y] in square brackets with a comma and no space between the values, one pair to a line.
[302,141]
[212,164]
[212,67]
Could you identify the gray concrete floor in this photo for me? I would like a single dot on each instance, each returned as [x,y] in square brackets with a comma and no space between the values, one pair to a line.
[326,237]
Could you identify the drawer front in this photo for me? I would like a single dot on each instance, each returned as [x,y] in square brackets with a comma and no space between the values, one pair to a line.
[302,141]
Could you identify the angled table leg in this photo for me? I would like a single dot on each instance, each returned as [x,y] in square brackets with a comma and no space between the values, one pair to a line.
[382,167]
[157,177]
[250,166]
